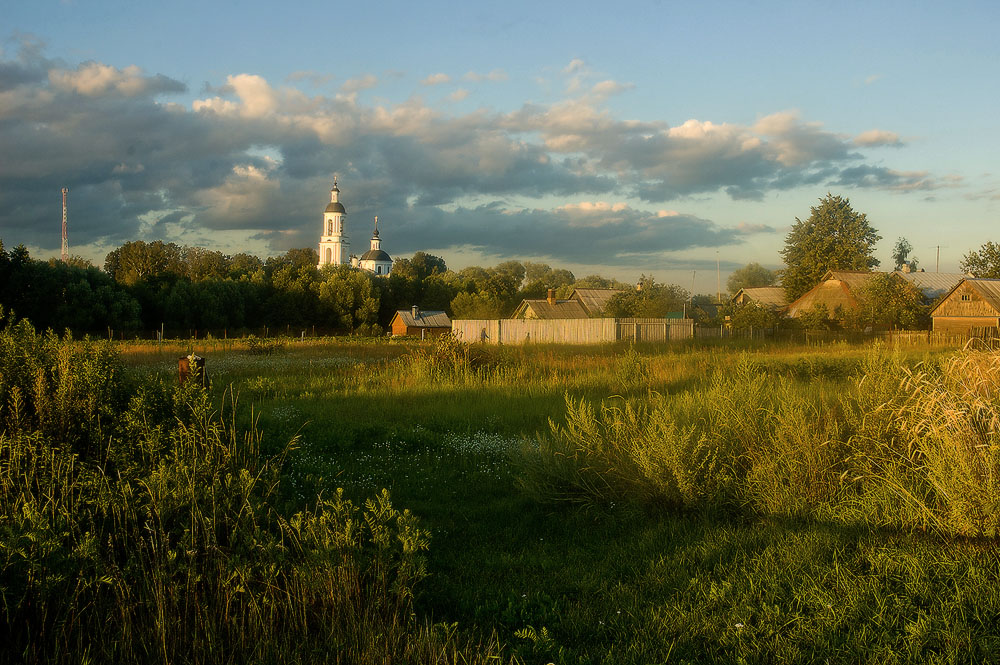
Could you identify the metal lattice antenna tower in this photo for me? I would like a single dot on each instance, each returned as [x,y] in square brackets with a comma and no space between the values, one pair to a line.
[65,240]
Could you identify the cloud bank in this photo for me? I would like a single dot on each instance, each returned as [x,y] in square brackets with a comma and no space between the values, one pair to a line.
[253,158]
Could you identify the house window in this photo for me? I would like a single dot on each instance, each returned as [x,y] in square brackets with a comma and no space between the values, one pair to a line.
[966,296]
[378,270]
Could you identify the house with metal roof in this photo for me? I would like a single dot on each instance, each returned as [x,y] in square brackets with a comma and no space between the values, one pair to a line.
[594,301]
[772,297]
[416,323]
[972,303]
[841,289]
[932,285]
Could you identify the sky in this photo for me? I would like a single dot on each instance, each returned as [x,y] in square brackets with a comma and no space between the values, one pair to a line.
[677,140]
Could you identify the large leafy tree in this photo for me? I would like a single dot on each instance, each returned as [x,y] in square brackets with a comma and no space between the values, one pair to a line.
[139,260]
[984,263]
[749,276]
[901,255]
[834,237]
[650,299]
[888,301]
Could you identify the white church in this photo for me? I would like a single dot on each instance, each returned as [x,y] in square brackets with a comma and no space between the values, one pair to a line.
[334,247]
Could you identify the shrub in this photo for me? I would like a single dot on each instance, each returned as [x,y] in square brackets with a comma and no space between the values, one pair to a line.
[626,451]
[174,544]
[263,346]
[448,359]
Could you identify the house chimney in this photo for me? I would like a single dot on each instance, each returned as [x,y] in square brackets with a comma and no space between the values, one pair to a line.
[551,296]
[415,311]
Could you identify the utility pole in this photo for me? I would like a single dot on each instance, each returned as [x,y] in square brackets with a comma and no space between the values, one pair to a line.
[718,279]
[65,241]
[937,261]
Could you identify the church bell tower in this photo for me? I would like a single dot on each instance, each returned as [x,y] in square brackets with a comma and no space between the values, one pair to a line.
[333,244]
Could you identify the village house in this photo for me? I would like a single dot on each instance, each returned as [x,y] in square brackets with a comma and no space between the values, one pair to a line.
[841,289]
[772,297]
[581,304]
[416,323]
[972,303]
[837,289]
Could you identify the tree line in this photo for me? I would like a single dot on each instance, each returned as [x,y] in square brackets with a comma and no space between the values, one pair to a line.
[146,286]
[149,286]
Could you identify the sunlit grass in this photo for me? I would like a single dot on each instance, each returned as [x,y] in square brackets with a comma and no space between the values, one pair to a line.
[620,582]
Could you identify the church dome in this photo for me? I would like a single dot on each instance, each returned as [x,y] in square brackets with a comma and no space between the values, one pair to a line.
[336,206]
[375,255]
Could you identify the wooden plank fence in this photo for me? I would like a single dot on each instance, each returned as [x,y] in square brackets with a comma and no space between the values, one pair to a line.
[570,331]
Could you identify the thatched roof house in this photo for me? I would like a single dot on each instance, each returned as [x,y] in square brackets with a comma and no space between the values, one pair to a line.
[838,288]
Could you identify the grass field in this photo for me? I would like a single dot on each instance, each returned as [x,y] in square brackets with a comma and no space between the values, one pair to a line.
[600,581]
[680,503]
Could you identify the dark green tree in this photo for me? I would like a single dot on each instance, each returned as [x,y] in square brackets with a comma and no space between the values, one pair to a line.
[984,263]
[885,302]
[834,237]
[650,299]
[749,276]
[901,253]
[751,316]
[139,260]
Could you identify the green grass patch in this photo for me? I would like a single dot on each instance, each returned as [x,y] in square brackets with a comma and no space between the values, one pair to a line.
[759,503]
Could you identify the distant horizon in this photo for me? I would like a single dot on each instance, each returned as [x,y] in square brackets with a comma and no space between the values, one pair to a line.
[681,139]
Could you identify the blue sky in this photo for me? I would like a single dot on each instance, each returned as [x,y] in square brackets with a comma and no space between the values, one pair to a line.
[643,137]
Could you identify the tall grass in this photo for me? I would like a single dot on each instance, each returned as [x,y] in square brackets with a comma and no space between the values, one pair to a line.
[939,452]
[916,447]
[159,533]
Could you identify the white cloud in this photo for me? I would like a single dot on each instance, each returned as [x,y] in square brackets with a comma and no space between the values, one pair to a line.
[494,75]
[588,207]
[878,137]
[750,229]
[256,95]
[252,155]
[358,84]
[608,88]
[575,66]
[94,79]
[315,79]
[436,79]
